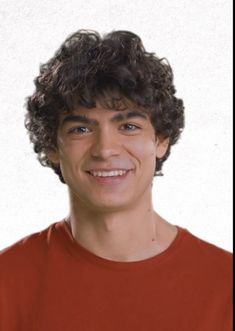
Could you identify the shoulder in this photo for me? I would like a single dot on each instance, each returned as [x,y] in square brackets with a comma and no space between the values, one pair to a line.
[27,252]
[207,258]
[207,249]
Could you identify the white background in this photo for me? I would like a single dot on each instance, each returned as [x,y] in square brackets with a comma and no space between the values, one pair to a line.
[195,36]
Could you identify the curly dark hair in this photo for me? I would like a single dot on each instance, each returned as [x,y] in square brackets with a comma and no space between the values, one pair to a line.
[112,70]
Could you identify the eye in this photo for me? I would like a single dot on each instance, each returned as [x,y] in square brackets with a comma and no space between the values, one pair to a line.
[79,130]
[130,127]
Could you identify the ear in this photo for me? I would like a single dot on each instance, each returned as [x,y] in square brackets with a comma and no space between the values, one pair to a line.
[53,156]
[162,144]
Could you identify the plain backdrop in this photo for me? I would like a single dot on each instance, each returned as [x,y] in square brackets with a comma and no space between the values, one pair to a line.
[195,36]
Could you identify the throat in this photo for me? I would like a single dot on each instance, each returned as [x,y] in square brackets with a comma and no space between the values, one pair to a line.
[120,240]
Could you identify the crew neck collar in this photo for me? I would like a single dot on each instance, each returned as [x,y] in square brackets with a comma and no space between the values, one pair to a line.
[78,251]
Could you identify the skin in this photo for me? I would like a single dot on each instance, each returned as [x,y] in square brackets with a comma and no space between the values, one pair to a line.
[112,217]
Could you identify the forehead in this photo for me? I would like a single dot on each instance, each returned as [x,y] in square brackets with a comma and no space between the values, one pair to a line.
[100,112]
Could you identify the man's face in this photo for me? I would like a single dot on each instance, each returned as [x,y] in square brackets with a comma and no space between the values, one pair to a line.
[107,157]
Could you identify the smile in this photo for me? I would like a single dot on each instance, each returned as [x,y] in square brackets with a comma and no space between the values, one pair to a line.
[112,173]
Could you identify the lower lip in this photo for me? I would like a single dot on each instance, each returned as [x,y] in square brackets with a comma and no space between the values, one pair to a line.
[109,180]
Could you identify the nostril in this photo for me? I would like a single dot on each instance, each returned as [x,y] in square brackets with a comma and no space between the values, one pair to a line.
[104,150]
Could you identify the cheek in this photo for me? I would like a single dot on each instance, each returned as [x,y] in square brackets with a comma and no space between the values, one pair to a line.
[143,150]
[70,151]
[70,158]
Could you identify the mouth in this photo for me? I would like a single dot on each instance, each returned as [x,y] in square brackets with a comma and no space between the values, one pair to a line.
[108,176]
[107,173]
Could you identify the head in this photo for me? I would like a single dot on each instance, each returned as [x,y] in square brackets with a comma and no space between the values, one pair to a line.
[113,72]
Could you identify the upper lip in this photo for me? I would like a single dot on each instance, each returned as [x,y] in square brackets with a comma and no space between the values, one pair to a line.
[108,169]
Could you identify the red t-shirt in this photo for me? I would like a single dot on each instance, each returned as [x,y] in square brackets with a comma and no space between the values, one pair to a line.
[50,282]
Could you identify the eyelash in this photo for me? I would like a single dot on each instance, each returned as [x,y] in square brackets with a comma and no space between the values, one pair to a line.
[132,125]
[126,125]
[78,128]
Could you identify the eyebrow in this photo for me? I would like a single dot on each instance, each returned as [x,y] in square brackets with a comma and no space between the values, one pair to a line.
[116,118]
[79,118]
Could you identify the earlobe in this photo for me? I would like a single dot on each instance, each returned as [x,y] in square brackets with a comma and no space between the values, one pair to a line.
[53,156]
[162,145]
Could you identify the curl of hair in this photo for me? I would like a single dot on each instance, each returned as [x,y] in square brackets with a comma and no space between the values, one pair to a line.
[113,70]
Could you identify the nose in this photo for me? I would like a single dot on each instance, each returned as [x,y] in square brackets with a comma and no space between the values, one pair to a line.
[105,145]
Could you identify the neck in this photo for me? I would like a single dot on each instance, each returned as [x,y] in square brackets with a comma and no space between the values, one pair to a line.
[121,235]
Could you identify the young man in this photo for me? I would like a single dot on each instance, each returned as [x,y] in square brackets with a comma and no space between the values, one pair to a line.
[104,116]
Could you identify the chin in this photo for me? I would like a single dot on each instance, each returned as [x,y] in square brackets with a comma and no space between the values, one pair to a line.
[108,206]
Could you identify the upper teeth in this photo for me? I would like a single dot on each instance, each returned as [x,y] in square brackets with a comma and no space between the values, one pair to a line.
[108,173]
